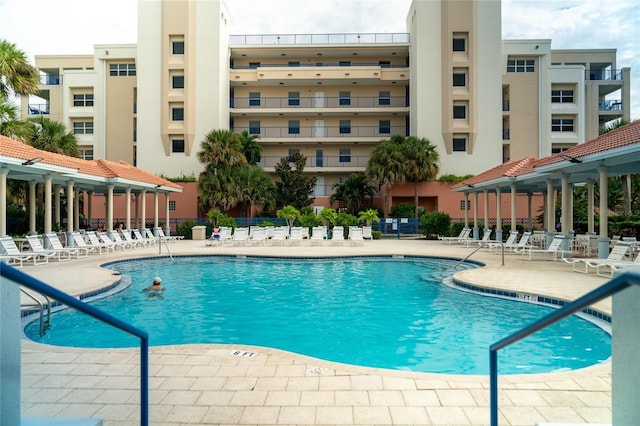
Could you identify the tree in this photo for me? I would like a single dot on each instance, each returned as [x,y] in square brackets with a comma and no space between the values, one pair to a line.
[290,213]
[252,150]
[294,188]
[53,136]
[217,188]
[221,147]
[10,124]
[369,216]
[328,216]
[352,192]
[420,160]
[385,167]
[16,74]
[255,188]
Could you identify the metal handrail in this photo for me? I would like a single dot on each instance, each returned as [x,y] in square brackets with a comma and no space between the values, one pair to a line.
[614,286]
[20,278]
[43,324]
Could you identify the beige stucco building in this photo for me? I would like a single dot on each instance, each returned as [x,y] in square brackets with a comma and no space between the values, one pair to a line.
[450,78]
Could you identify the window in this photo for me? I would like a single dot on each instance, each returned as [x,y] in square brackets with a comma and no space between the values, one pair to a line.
[345,155]
[459,144]
[294,63]
[459,44]
[562,125]
[177,114]
[293,151]
[254,99]
[319,63]
[294,127]
[177,145]
[521,65]
[83,100]
[122,70]
[86,154]
[345,98]
[177,82]
[254,127]
[462,205]
[384,126]
[562,96]
[345,127]
[177,47]
[319,158]
[459,111]
[83,128]
[384,64]
[254,65]
[172,205]
[384,98]
[459,79]
[294,98]
[344,63]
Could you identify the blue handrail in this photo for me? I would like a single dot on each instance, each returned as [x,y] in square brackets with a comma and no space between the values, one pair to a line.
[617,284]
[21,278]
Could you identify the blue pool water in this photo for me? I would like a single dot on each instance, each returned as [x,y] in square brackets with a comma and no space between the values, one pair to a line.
[377,312]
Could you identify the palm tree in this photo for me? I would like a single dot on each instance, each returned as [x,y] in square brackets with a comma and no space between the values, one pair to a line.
[217,187]
[252,150]
[10,124]
[328,216]
[420,160]
[16,74]
[255,188]
[353,191]
[385,167]
[52,136]
[221,147]
[369,216]
[290,213]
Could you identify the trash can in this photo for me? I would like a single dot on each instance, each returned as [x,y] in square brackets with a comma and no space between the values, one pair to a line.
[199,232]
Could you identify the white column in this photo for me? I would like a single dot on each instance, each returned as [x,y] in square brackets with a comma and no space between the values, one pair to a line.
[47,204]
[57,205]
[590,206]
[513,207]
[70,202]
[136,219]
[570,214]
[76,208]
[143,209]
[498,215]
[529,211]
[166,199]
[110,208]
[604,176]
[155,209]
[475,216]
[486,208]
[89,207]
[127,223]
[564,209]
[3,202]
[466,212]
[32,207]
[551,208]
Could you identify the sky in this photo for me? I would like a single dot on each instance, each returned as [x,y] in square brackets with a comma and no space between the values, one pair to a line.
[41,27]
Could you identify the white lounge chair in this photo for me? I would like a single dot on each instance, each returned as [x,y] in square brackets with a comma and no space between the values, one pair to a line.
[149,239]
[55,244]
[550,252]
[521,245]
[104,238]
[257,235]
[367,233]
[607,269]
[38,248]
[337,235]
[126,235]
[169,237]
[464,234]
[295,235]
[12,255]
[115,237]
[240,236]
[511,240]
[355,237]
[486,238]
[78,241]
[95,241]
[617,254]
[318,234]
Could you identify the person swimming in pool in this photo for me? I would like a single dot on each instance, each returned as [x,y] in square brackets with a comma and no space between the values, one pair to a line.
[155,289]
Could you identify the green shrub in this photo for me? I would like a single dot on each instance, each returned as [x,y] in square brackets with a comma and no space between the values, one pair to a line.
[403,210]
[433,224]
[184,228]
[376,235]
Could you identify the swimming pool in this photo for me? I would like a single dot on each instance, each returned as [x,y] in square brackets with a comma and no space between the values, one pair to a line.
[370,311]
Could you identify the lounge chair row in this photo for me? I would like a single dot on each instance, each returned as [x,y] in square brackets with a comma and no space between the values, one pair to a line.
[283,235]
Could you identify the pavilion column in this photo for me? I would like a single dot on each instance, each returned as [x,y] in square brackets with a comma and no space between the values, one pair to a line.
[476,231]
[110,208]
[155,213]
[486,209]
[603,239]
[498,215]
[70,202]
[551,212]
[4,171]
[32,207]
[513,207]
[167,227]
[136,220]
[76,208]
[127,220]
[590,206]
[89,207]
[47,203]
[564,213]
[529,211]
[466,211]
[570,201]
[143,209]
[57,205]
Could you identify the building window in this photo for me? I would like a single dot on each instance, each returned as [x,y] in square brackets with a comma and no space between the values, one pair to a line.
[562,125]
[177,47]
[459,111]
[254,65]
[86,154]
[319,63]
[172,205]
[345,127]
[562,96]
[459,144]
[177,145]
[83,128]
[177,114]
[254,99]
[384,126]
[294,63]
[459,43]
[345,155]
[83,100]
[294,127]
[345,98]
[177,82]
[344,63]
[459,79]
[384,98]
[384,64]
[462,205]
[294,98]
[254,127]
[521,65]
[293,151]
[122,70]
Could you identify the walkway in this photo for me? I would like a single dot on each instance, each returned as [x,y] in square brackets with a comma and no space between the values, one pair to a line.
[211,384]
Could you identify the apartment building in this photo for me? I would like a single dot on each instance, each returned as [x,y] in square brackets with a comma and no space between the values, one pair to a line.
[332,97]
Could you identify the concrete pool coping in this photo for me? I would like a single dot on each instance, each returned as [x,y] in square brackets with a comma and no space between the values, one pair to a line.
[206,384]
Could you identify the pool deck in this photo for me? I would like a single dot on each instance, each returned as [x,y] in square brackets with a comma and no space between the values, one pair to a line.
[214,384]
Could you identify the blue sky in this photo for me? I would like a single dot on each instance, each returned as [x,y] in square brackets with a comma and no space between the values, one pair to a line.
[41,27]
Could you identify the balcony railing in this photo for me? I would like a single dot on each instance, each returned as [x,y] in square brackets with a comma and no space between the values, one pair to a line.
[506,134]
[605,74]
[318,64]
[610,105]
[338,38]
[325,131]
[344,161]
[50,79]
[38,109]
[505,106]
[326,102]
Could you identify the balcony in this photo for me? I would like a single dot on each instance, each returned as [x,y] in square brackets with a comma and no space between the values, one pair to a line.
[338,38]
[610,105]
[50,79]
[505,106]
[603,74]
[346,162]
[506,134]
[316,132]
[325,102]
[38,109]
[318,64]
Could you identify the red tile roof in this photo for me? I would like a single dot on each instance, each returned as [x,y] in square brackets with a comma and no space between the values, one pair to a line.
[511,168]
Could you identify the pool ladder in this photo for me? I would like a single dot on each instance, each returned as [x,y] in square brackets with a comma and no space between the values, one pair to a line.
[45,320]
[460,262]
